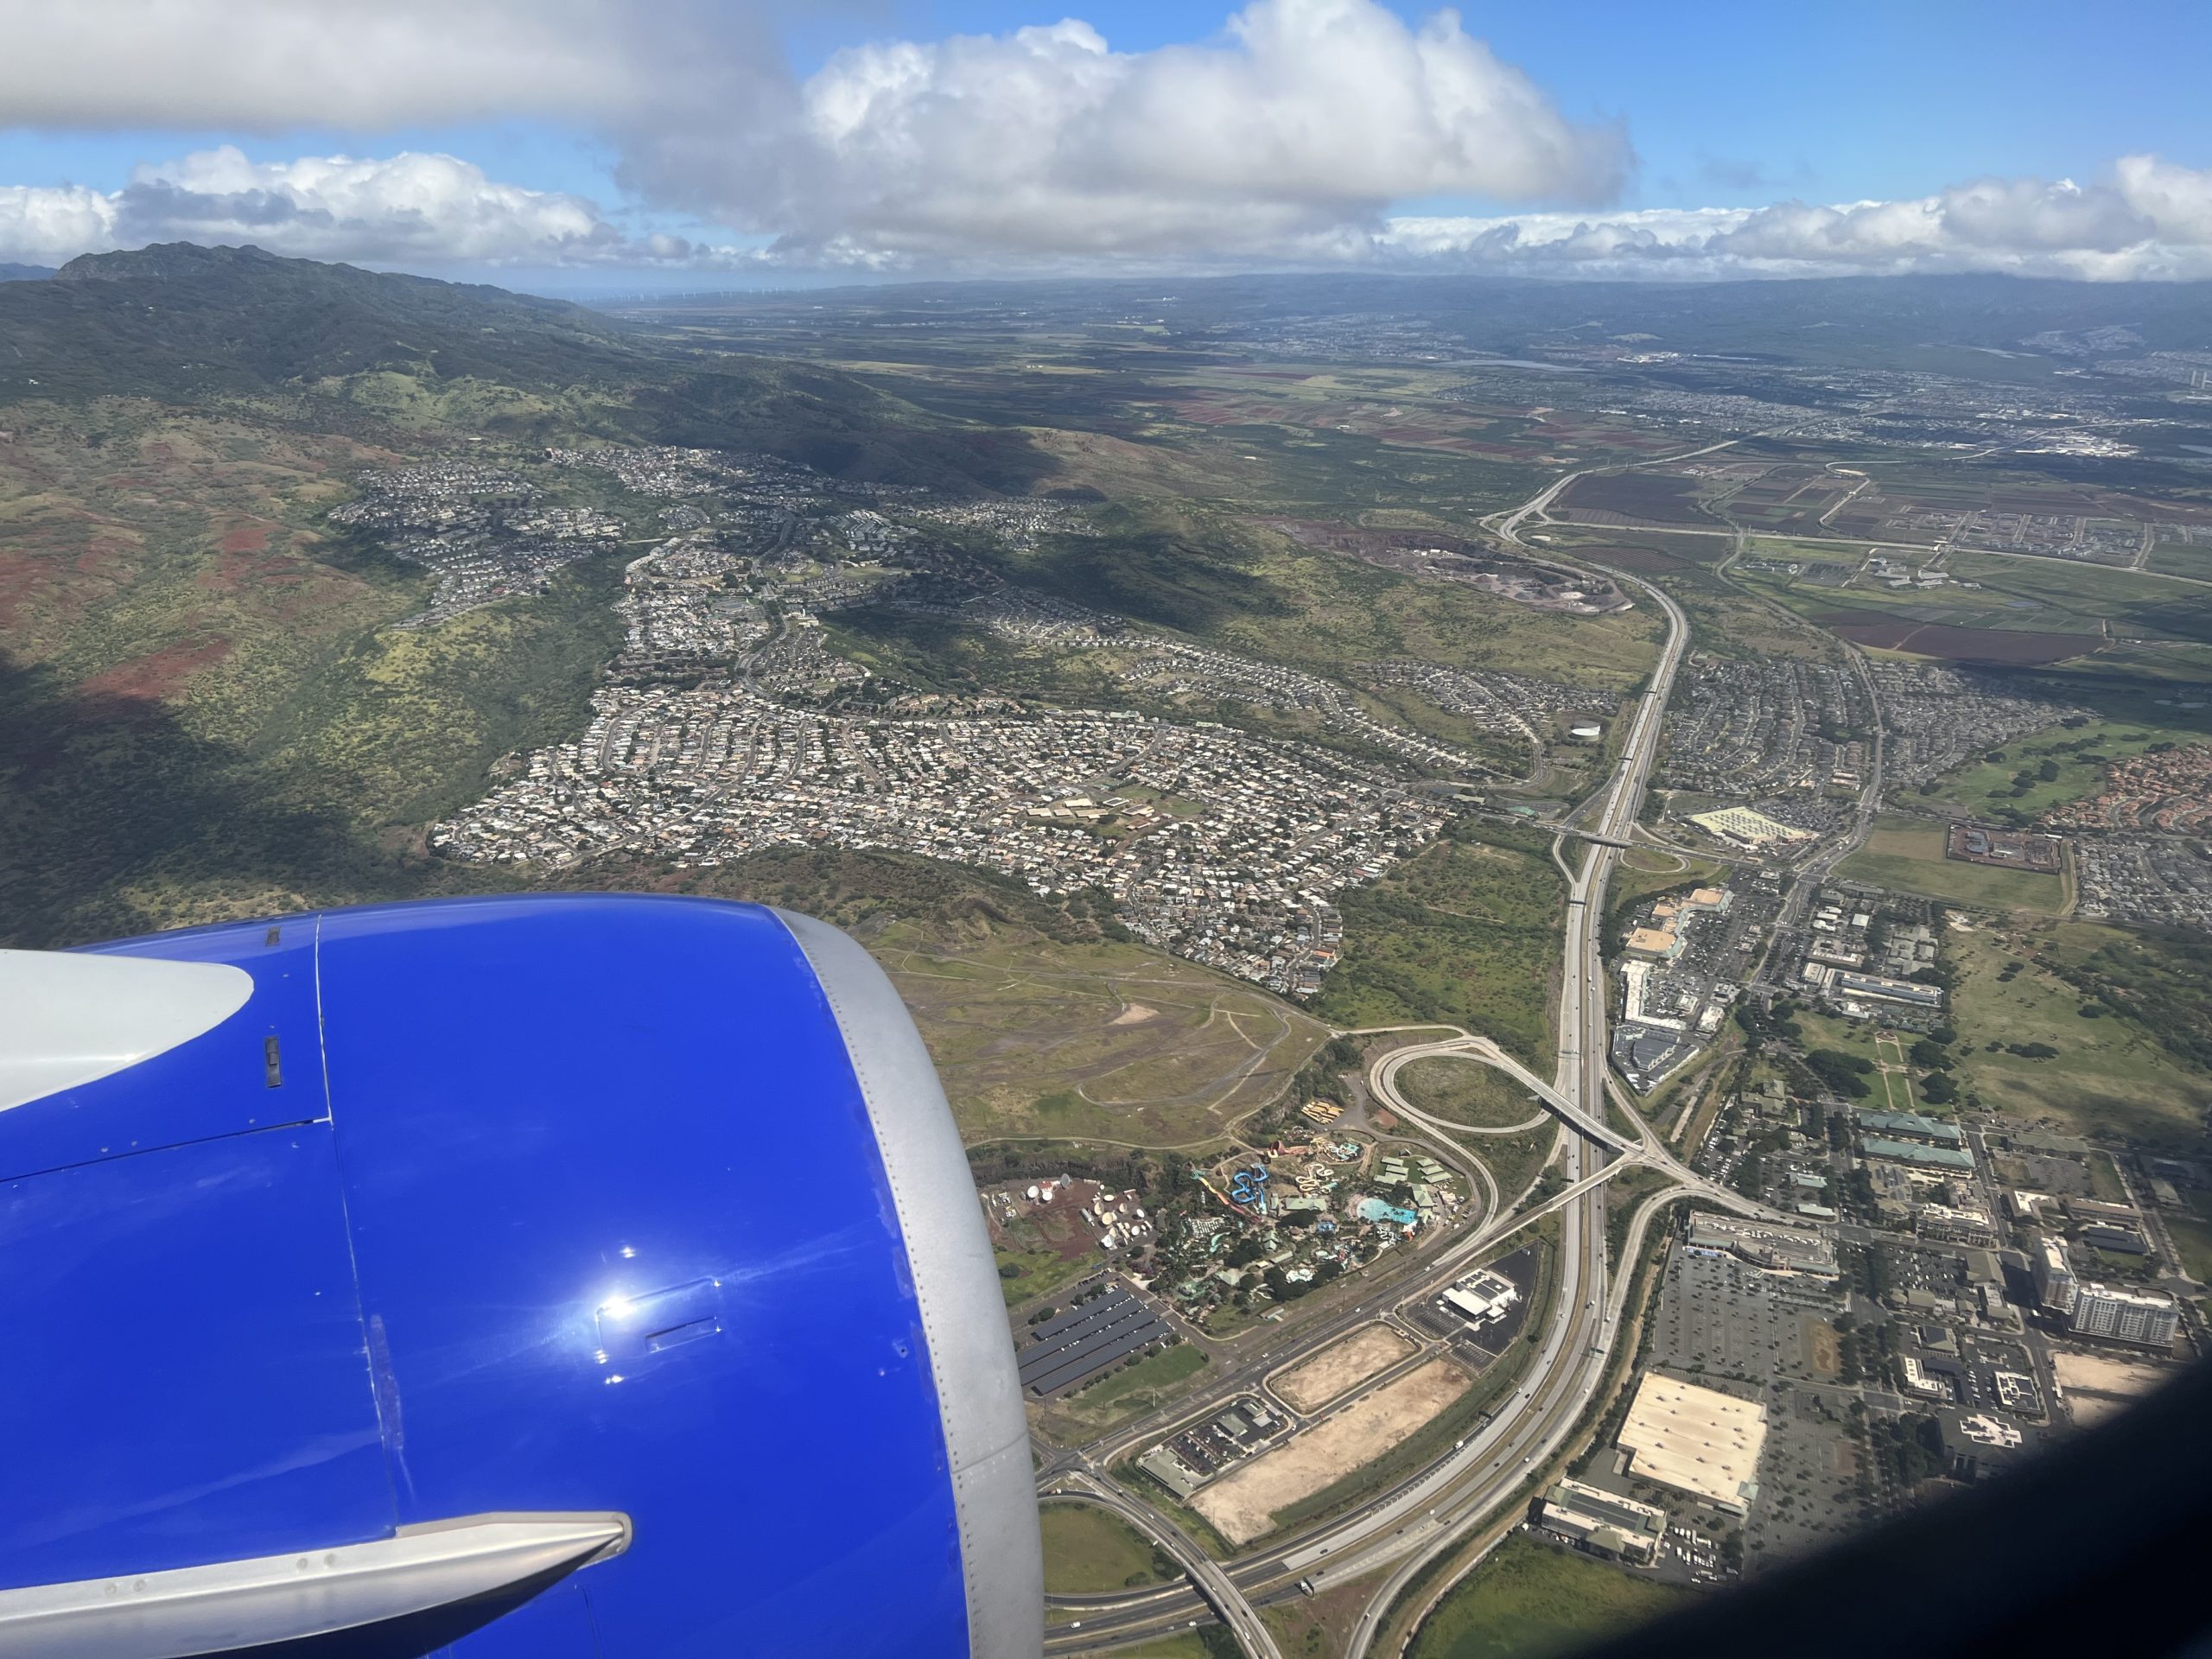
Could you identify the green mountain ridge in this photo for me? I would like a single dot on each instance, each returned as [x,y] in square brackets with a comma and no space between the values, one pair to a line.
[185,326]
[177,321]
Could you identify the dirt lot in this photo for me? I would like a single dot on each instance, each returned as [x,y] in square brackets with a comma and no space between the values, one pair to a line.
[2097,1387]
[1242,1504]
[1823,1348]
[1328,1374]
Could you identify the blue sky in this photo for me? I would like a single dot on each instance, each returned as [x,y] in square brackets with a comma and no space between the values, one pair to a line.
[1620,118]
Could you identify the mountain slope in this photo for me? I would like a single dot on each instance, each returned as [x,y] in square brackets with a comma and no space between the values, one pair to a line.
[177,321]
[188,326]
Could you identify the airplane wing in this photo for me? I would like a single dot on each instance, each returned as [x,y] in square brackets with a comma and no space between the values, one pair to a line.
[549,1275]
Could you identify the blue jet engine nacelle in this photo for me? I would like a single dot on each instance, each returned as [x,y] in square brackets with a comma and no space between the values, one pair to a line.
[568,1277]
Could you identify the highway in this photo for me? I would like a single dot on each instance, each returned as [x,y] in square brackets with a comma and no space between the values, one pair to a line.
[1429,1513]
[1588,1309]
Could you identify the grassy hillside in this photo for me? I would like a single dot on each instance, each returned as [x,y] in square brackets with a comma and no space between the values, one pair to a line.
[1466,934]
[1530,1599]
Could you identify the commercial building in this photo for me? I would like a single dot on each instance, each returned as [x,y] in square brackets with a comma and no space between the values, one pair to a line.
[1482,1296]
[1603,1523]
[1749,829]
[1909,1126]
[2124,1315]
[1908,1152]
[2053,1278]
[1949,1225]
[1697,1441]
[1776,1246]
[2121,1241]
[1886,990]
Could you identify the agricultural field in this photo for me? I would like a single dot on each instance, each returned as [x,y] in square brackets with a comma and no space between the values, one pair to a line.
[1102,1041]
[2137,605]
[1646,551]
[1088,1551]
[2021,611]
[1632,499]
[2190,559]
[1465,934]
[1787,500]
[1528,1600]
[2111,1077]
[1907,854]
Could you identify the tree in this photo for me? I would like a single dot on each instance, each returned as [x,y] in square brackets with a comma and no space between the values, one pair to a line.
[1930,1057]
[1938,1089]
[1844,1074]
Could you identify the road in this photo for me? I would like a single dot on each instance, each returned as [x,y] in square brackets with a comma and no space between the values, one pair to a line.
[1586,1311]
[1815,872]
[1427,1514]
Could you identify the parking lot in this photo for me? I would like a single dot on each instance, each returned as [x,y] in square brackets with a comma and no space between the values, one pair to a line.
[1721,1317]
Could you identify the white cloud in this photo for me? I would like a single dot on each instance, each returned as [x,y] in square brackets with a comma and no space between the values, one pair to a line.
[1286,139]
[1304,118]
[40,227]
[410,209]
[2154,220]
[260,65]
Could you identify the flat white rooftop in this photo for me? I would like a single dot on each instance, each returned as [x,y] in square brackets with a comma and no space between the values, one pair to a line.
[1697,1441]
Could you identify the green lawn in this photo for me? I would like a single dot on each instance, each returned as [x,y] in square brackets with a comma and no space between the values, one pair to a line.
[2111,1077]
[1039,1271]
[1527,1599]
[1088,1551]
[1121,1395]
[2192,1237]
[1465,1090]
[1514,1160]
[1907,854]
[1986,787]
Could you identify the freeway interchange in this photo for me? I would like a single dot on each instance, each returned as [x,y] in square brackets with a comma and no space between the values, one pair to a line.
[1413,1523]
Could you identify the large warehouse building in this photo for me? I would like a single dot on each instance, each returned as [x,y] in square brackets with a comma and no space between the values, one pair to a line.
[1697,1441]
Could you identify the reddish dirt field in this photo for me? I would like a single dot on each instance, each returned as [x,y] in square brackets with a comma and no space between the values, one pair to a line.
[235,569]
[246,538]
[1632,558]
[1958,645]
[159,675]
